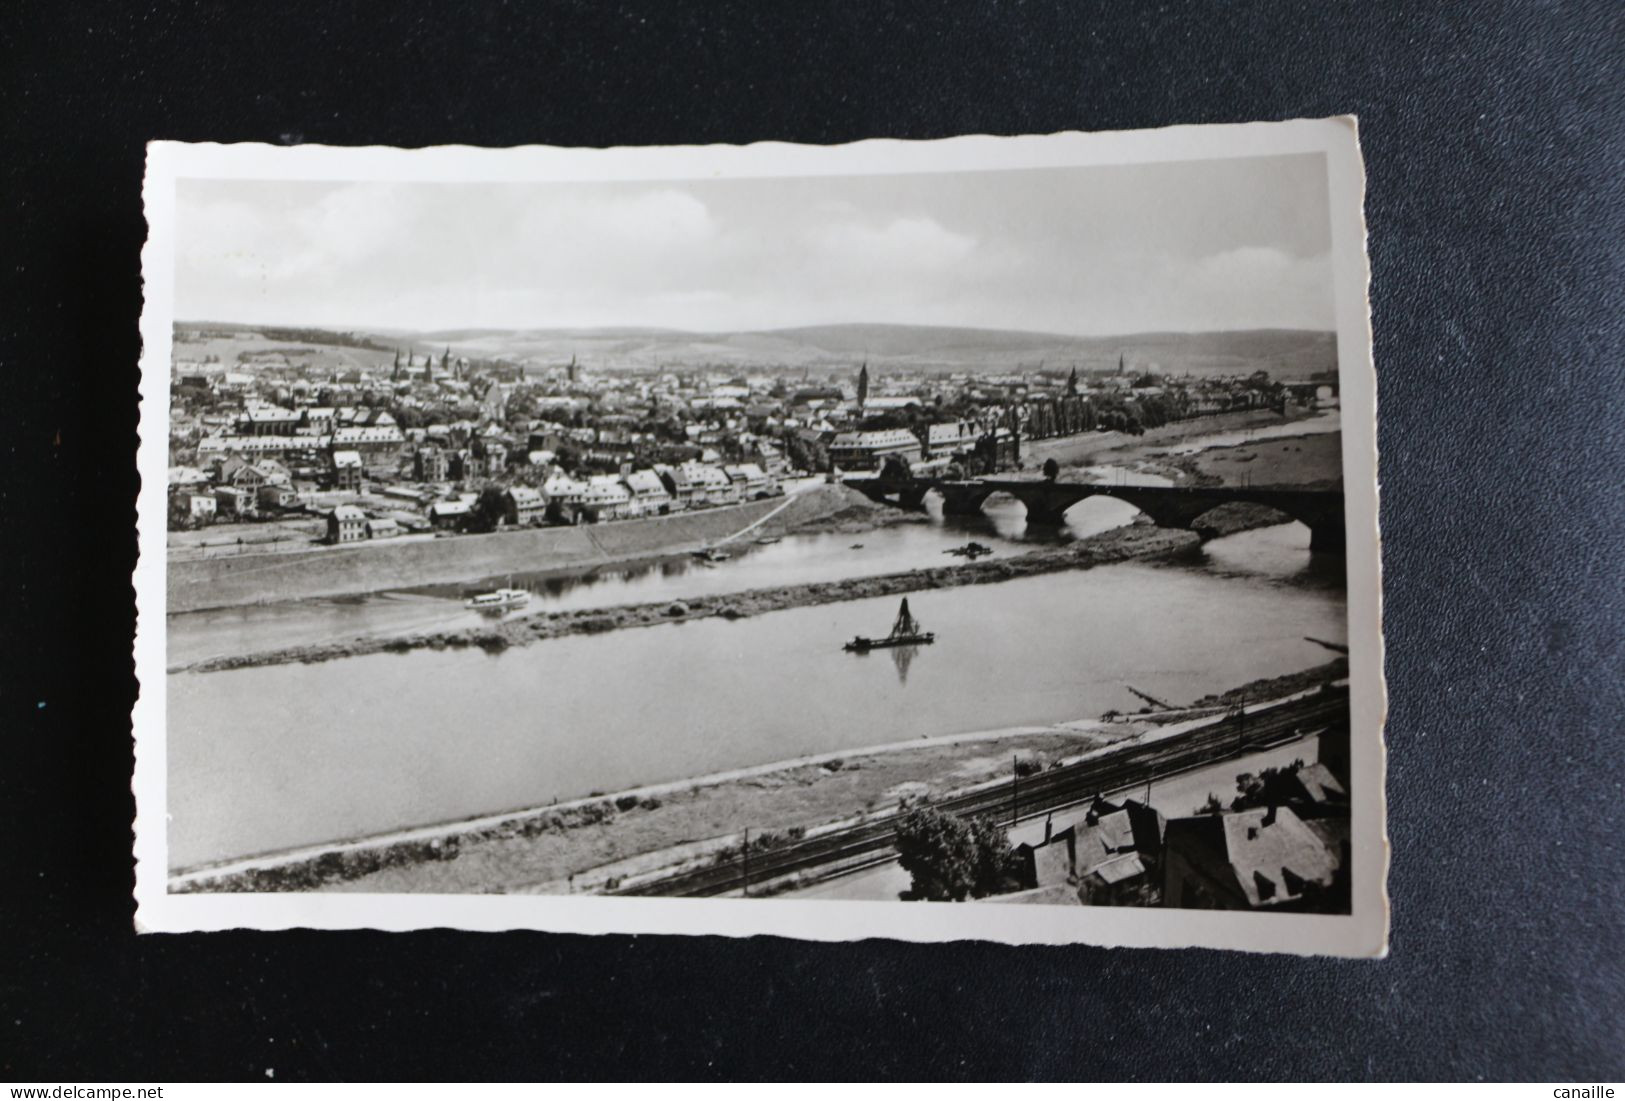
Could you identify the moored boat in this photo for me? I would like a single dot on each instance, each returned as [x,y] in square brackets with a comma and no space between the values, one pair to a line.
[498,600]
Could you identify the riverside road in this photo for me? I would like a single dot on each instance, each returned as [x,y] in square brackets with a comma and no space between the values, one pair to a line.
[854,847]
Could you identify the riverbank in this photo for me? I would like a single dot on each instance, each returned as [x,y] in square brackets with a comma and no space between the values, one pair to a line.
[1135,541]
[1093,448]
[1303,462]
[588,843]
[358,569]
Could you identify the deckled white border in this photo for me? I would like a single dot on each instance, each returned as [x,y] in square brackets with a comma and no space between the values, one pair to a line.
[1362,934]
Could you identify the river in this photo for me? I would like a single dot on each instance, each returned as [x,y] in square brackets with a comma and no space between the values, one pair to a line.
[794,560]
[273,757]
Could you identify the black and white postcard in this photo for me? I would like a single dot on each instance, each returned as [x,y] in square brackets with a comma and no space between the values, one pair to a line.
[929,540]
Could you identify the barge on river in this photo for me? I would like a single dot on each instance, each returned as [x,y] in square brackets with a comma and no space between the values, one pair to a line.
[905,632]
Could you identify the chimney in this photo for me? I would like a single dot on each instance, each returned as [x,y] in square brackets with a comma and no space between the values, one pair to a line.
[1049,827]
[1269,815]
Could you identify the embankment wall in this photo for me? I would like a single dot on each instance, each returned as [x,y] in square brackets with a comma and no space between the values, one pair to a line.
[372,567]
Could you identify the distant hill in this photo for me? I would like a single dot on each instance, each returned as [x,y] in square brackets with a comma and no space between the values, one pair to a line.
[1285,353]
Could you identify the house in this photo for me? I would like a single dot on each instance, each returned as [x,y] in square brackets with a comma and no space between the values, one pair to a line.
[678,486]
[547,438]
[1313,788]
[450,514]
[950,438]
[523,506]
[1108,857]
[430,465]
[379,445]
[606,498]
[649,494]
[346,524]
[772,460]
[235,503]
[495,455]
[749,481]
[239,473]
[1263,858]
[383,528]
[565,496]
[868,450]
[186,477]
[711,486]
[195,504]
[346,471]
[277,496]
[258,419]
[1123,880]
[889,404]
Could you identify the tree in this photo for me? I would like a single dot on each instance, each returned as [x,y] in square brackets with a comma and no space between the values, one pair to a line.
[949,858]
[896,468]
[488,511]
[569,456]
[1052,470]
[995,870]
[1269,787]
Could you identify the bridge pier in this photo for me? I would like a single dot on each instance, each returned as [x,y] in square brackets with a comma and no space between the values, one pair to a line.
[913,498]
[1046,502]
[1328,537]
[962,499]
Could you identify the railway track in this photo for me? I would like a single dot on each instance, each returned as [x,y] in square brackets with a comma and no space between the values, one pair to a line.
[1228,736]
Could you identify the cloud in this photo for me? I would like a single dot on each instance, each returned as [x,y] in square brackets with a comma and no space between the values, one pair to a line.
[1261,286]
[650,221]
[908,242]
[1068,250]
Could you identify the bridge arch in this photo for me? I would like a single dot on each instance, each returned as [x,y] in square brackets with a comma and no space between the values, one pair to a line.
[1046,502]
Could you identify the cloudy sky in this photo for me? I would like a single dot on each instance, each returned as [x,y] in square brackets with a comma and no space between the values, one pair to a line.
[1233,244]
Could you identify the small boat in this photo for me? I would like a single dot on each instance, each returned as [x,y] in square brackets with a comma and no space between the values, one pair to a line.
[856,546]
[498,600]
[905,632]
[972,551]
[768,540]
[711,554]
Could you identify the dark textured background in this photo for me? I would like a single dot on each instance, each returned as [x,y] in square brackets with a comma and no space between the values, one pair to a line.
[1493,142]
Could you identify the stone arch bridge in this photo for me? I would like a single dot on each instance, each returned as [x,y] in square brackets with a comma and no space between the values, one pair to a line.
[1320,510]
